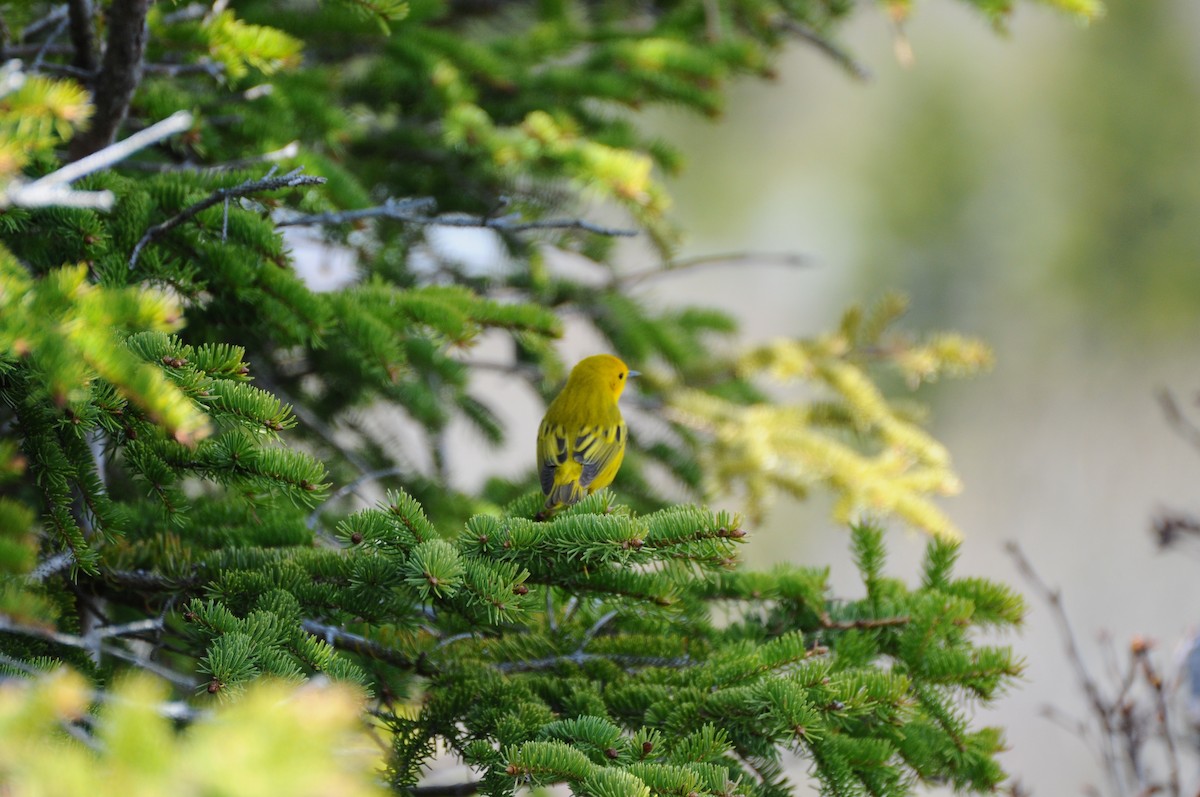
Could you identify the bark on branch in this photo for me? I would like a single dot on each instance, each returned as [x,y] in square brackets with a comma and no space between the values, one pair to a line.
[119,75]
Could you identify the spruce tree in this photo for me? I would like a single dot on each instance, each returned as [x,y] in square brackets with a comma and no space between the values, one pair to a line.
[182,416]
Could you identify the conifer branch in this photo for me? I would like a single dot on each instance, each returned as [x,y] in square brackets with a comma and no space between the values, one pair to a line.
[269,183]
[418,211]
[119,76]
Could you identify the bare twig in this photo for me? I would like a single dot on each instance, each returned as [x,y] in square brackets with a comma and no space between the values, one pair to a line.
[1100,707]
[120,73]
[60,561]
[346,489]
[590,634]
[356,643]
[418,211]
[41,53]
[268,183]
[204,67]
[839,56]
[865,622]
[730,258]
[35,28]
[95,637]
[283,153]
[579,658]
[1142,653]
[54,188]
[1182,426]
[31,50]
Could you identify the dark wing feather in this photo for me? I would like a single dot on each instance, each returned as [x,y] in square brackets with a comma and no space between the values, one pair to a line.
[598,449]
[552,452]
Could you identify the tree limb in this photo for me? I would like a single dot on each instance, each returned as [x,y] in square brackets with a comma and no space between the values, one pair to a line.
[418,211]
[82,39]
[119,75]
[268,183]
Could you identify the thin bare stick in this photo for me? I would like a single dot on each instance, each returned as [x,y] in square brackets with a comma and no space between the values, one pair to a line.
[356,643]
[60,561]
[418,211]
[35,28]
[1100,707]
[283,153]
[595,629]
[729,258]
[1142,653]
[865,622]
[579,658]
[54,188]
[1182,426]
[346,489]
[89,642]
[268,183]
[41,53]
[839,56]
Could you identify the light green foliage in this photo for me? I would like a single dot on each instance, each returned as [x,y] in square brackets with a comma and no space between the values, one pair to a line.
[36,114]
[273,741]
[171,424]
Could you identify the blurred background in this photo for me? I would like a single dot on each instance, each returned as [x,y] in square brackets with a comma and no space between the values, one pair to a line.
[1040,189]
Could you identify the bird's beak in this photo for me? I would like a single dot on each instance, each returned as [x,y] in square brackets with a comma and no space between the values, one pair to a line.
[632,374]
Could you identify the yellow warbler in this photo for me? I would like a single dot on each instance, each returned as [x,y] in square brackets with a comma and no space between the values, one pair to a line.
[581,441]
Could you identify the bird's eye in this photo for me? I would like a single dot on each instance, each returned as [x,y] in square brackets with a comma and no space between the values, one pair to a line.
[622,375]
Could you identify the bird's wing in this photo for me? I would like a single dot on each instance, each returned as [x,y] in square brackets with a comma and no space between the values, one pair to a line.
[599,449]
[552,452]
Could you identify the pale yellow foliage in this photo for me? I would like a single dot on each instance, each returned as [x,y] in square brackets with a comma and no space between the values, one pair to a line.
[850,438]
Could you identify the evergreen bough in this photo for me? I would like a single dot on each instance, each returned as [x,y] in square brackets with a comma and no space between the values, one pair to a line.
[176,402]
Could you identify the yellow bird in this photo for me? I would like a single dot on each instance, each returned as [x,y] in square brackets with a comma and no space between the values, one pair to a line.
[581,441]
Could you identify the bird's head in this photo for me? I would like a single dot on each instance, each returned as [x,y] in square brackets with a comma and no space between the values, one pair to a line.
[603,371]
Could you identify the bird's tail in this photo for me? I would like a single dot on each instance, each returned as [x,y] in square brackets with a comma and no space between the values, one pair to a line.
[564,494]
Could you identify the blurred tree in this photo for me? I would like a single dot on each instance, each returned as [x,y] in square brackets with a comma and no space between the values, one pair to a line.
[1091,204]
[175,401]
